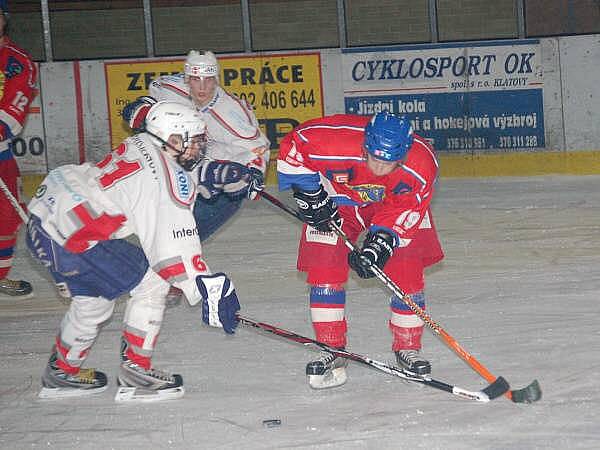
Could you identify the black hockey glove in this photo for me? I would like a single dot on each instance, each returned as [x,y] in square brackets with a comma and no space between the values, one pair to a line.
[317,209]
[376,250]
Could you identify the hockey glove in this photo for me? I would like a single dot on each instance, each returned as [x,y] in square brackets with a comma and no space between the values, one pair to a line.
[214,176]
[219,301]
[317,209]
[135,112]
[376,250]
[249,186]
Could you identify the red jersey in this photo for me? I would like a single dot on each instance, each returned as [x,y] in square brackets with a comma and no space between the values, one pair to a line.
[330,151]
[18,75]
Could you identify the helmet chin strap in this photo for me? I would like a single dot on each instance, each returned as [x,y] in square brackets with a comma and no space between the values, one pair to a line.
[188,164]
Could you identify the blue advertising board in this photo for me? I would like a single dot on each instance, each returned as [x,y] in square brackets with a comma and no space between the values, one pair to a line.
[476,96]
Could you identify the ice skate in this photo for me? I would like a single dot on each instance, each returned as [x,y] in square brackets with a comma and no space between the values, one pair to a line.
[326,372]
[58,384]
[411,361]
[147,385]
[15,288]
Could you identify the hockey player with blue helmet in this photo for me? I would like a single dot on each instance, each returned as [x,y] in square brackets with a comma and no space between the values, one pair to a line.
[363,174]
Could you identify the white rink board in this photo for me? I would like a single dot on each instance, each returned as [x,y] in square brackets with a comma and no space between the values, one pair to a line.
[580,71]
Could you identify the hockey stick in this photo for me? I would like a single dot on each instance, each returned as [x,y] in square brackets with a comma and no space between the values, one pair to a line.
[13,201]
[494,390]
[528,394]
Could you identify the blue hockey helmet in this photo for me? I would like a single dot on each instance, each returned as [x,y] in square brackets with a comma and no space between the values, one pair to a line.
[388,137]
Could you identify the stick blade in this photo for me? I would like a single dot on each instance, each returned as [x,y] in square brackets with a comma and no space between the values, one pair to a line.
[528,394]
[497,388]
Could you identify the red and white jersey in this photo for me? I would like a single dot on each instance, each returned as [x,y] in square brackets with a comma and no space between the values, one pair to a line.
[330,151]
[137,189]
[18,75]
[233,131]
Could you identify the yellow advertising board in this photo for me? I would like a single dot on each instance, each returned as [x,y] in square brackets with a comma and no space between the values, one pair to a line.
[284,89]
[127,80]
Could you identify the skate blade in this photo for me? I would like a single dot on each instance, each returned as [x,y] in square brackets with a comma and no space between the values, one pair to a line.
[335,378]
[47,393]
[137,394]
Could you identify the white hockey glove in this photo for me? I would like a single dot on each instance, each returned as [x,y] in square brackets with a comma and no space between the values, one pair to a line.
[219,301]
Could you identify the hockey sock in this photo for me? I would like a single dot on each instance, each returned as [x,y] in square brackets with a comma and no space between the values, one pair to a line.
[132,350]
[406,326]
[327,305]
[406,338]
[61,358]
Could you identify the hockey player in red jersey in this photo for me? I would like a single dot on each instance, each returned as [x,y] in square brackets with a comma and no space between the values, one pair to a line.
[372,175]
[17,89]
[80,217]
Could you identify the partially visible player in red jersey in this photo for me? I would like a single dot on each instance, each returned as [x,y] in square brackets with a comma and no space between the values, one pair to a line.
[365,174]
[17,89]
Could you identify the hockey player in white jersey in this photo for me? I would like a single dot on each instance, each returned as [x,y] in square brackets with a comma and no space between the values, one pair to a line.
[238,151]
[233,134]
[80,216]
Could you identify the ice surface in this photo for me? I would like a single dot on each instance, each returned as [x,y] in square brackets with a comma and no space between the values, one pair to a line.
[519,289]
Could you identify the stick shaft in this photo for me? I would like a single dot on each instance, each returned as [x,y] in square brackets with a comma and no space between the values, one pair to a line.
[13,201]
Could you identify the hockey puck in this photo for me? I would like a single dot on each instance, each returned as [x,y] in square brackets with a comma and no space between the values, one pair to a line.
[271,423]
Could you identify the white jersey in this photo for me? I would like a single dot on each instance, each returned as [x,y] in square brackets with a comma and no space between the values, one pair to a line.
[233,131]
[136,190]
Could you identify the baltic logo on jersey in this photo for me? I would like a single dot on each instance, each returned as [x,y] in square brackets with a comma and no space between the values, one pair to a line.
[369,193]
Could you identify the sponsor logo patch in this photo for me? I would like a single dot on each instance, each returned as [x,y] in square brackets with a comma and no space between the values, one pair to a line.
[321,237]
[369,193]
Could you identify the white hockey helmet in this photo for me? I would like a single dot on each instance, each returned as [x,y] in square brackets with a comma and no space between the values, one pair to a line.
[201,64]
[166,118]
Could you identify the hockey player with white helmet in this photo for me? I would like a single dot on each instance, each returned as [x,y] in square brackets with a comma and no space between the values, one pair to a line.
[238,151]
[232,126]
[80,216]
[235,139]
